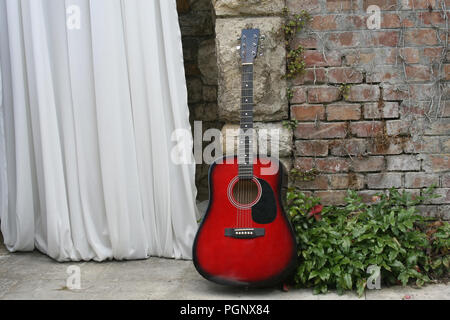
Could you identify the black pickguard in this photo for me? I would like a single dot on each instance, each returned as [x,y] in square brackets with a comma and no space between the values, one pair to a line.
[265,211]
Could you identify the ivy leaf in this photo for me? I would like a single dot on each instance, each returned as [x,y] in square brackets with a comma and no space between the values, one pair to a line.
[348,281]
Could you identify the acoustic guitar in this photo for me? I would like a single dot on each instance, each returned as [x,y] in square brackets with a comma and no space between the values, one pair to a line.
[245,238]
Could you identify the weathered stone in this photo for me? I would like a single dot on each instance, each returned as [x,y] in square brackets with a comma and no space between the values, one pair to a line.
[196,23]
[264,135]
[272,130]
[201,5]
[207,62]
[194,87]
[248,7]
[230,139]
[204,111]
[210,93]
[269,89]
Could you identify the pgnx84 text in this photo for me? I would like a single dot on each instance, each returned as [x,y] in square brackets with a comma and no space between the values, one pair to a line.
[246,309]
[228,309]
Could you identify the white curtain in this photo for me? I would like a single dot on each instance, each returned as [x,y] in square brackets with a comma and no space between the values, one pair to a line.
[91,93]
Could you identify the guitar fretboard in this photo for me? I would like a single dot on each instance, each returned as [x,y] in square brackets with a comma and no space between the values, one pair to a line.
[245,150]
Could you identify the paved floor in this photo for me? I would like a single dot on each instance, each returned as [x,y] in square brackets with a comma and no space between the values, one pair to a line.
[35,276]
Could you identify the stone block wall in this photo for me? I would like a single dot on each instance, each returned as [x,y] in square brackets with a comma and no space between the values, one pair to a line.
[196,19]
[373,105]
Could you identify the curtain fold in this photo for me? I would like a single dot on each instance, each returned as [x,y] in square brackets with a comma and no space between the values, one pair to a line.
[86,123]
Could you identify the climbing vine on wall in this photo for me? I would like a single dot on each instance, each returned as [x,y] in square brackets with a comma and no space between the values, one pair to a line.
[294,23]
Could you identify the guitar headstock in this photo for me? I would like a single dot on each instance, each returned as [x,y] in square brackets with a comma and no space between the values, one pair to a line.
[249,45]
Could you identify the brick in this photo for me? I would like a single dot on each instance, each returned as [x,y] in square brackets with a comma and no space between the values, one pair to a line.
[311,76]
[424,91]
[347,181]
[384,38]
[432,55]
[445,142]
[420,180]
[446,108]
[385,110]
[410,55]
[317,148]
[365,129]
[345,39]
[331,197]
[416,108]
[390,20]
[298,95]
[380,145]
[445,180]
[359,58]
[304,164]
[394,92]
[343,112]
[444,196]
[304,41]
[384,180]
[367,196]
[368,164]
[341,5]
[346,147]
[310,6]
[332,164]
[419,4]
[363,92]
[353,22]
[397,127]
[319,183]
[319,59]
[444,212]
[402,163]
[436,162]
[321,131]
[421,37]
[431,211]
[389,74]
[424,145]
[418,73]
[432,18]
[323,22]
[446,71]
[307,112]
[323,94]
[438,127]
[382,4]
[344,75]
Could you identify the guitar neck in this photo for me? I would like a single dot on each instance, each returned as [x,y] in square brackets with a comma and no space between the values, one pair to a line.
[245,150]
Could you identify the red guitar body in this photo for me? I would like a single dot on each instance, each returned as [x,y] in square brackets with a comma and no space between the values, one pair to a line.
[252,246]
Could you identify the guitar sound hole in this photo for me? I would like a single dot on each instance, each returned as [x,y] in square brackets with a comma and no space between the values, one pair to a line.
[245,191]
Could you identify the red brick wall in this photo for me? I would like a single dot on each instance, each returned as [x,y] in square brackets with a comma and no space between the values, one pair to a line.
[389,126]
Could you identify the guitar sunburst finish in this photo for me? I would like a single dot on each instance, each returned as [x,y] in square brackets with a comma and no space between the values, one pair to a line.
[245,237]
[259,261]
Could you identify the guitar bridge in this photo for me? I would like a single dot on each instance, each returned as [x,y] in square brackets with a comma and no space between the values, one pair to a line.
[244,233]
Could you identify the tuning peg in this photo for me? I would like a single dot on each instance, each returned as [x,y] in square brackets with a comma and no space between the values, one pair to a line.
[263,37]
[238,48]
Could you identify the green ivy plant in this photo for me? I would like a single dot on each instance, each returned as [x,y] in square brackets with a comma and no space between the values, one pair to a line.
[345,90]
[300,175]
[290,124]
[294,23]
[336,245]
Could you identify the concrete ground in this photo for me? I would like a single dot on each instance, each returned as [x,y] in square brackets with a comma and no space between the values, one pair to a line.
[35,276]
